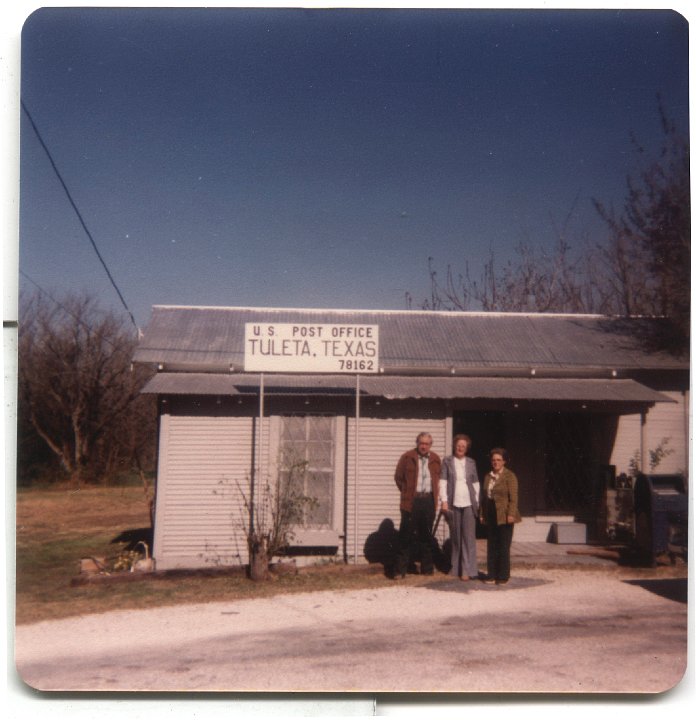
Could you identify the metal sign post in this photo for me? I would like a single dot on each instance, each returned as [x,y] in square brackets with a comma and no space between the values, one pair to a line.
[356,473]
[313,348]
[257,458]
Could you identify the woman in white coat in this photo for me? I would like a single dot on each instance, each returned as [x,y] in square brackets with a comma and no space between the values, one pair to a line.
[459,495]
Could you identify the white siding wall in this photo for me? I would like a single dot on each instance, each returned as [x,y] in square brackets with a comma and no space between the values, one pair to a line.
[664,420]
[199,510]
[669,420]
[627,442]
[381,444]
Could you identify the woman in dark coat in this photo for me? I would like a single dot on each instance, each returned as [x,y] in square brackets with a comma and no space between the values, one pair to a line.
[499,513]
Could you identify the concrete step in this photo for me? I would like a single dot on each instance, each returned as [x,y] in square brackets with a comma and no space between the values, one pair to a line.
[538,529]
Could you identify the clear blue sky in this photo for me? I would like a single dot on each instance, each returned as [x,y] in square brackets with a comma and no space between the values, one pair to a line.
[318,158]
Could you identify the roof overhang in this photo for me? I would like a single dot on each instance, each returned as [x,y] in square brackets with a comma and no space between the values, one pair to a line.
[418,343]
[401,388]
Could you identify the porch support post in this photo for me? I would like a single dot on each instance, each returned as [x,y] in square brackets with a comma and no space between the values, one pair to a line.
[644,464]
[257,458]
[356,469]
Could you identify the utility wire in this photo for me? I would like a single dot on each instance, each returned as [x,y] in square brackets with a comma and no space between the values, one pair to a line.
[77,212]
[66,310]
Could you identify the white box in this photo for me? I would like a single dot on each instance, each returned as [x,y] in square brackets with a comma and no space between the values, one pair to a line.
[569,533]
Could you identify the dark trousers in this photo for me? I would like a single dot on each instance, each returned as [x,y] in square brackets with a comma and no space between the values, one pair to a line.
[499,539]
[415,535]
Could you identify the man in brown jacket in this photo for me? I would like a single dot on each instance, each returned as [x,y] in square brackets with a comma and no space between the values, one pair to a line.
[417,476]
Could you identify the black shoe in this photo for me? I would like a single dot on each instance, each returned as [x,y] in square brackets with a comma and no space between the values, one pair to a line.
[488,579]
[500,582]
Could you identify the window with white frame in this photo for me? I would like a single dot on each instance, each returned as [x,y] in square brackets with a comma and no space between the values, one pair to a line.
[307,456]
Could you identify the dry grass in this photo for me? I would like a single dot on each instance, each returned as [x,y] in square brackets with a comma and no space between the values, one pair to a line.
[55,528]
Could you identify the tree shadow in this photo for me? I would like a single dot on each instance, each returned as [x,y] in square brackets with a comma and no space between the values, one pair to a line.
[659,335]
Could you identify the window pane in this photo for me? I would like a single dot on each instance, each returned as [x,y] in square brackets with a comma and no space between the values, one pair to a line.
[292,457]
[293,429]
[307,453]
[319,487]
[319,456]
[320,428]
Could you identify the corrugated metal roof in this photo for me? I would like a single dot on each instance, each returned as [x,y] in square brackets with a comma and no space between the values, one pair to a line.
[239,384]
[392,387]
[416,341]
[582,390]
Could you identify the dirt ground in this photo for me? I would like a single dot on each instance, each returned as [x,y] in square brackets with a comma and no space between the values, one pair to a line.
[578,630]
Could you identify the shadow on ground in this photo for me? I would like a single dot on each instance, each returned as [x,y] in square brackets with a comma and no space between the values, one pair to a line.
[382,545]
[131,538]
[448,584]
[669,588]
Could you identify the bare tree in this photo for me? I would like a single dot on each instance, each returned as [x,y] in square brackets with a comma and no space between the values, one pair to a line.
[537,280]
[642,267]
[272,512]
[76,387]
[649,247]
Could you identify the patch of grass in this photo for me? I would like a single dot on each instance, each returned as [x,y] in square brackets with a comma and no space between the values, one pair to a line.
[57,527]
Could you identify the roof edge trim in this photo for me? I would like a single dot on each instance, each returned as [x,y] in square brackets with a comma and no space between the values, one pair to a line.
[372,311]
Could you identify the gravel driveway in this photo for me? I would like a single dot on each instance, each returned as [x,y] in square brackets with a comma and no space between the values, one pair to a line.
[559,630]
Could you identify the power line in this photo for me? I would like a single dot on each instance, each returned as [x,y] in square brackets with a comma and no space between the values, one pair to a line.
[66,310]
[79,215]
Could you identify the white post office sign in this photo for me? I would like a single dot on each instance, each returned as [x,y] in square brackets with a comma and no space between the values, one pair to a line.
[307,348]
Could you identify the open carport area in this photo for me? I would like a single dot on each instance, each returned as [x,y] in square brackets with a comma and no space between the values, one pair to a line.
[587,628]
